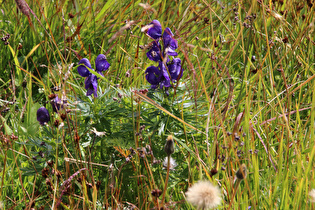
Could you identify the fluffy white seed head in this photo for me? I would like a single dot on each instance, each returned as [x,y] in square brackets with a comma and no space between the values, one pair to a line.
[312,195]
[204,195]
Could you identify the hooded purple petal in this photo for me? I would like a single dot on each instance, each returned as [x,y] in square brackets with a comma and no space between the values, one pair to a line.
[43,116]
[170,51]
[156,30]
[153,75]
[154,53]
[170,44]
[101,63]
[83,71]
[91,85]
[175,69]
[165,79]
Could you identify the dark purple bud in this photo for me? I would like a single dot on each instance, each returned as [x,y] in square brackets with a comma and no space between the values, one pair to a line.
[153,75]
[43,116]
[82,69]
[175,69]
[101,63]
[154,53]
[170,44]
[91,85]
[156,30]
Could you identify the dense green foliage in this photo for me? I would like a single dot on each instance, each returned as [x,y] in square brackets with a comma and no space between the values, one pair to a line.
[246,97]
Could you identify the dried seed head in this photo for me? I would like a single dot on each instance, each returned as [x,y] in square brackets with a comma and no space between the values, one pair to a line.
[156,193]
[242,172]
[169,145]
[56,123]
[52,96]
[48,182]
[50,163]
[45,172]
[213,171]
[20,46]
[70,15]
[40,153]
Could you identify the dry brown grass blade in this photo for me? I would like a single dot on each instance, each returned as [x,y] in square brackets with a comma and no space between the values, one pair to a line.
[81,161]
[149,100]
[292,112]
[238,121]
[263,143]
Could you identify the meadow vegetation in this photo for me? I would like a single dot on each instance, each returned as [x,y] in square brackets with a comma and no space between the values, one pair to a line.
[239,121]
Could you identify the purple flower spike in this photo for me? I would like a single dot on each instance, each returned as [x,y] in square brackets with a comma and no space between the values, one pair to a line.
[101,63]
[91,85]
[154,53]
[156,30]
[175,69]
[153,75]
[83,71]
[170,44]
[43,116]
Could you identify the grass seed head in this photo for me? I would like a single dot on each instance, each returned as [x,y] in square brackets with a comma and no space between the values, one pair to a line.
[23,6]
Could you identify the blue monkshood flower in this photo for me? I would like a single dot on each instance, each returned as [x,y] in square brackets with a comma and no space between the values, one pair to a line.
[162,75]
[170,44]
[83,71]
[154,53]
[43,116]
[153,75]
[155,31]
[175,69]
[101,64]
[91,85]
[56,104]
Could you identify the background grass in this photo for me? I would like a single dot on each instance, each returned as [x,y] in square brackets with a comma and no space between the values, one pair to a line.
[246,96]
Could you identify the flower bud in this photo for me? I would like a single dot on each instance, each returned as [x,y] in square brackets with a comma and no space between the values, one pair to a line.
[169,145]
[242,172]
